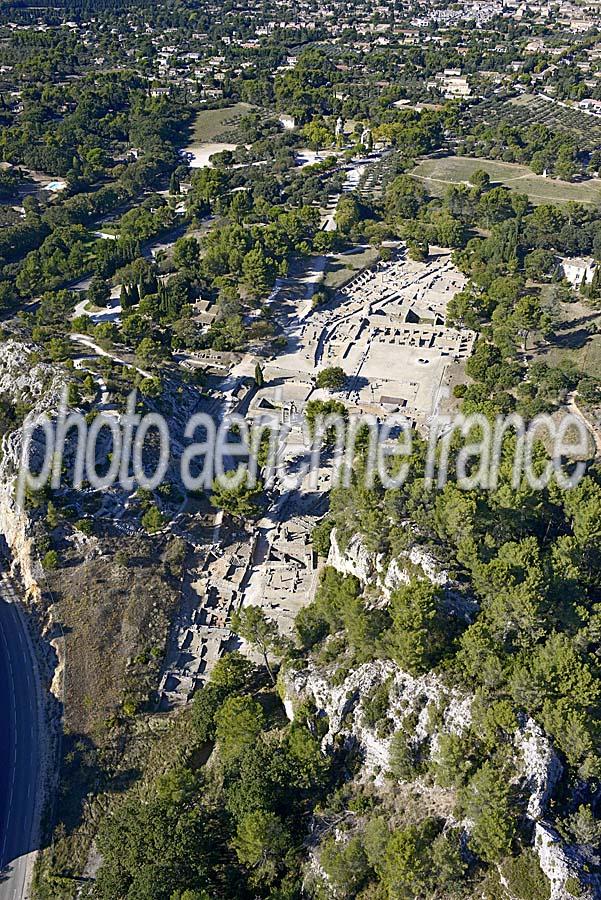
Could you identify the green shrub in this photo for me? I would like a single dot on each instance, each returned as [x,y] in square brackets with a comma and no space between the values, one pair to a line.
[375,704]
[573,886]
[153,519]
[525,878]
[50,560]
[86,526]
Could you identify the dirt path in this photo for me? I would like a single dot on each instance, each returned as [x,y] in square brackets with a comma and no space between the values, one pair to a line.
[590,425]
[91,345]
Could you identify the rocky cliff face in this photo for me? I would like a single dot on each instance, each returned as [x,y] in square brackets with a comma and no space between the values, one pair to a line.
[371,570]
[344,706]
[566,869]
[38,388]
[541,771]
[413,699]
[538,765]
[355,559]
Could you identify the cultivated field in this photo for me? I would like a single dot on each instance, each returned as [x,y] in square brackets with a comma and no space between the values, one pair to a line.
[214,124]
[534,109]
[530,109]
[436,174]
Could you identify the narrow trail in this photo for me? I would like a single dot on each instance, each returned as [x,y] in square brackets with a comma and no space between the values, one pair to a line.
[92,345]
[592,428]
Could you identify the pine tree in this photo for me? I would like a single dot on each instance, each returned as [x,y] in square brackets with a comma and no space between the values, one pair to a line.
[595,285]
[151,284]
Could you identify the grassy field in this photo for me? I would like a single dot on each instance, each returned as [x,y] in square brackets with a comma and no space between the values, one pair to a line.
[214,124]
[343,266]
[436,174]
[576,338]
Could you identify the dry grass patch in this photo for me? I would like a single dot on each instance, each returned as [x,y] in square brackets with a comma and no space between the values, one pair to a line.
[438,174]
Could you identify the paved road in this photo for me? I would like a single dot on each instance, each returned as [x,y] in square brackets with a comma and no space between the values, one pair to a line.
[20,756]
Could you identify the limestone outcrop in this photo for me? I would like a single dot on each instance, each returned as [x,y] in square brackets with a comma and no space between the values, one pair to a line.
[37,388]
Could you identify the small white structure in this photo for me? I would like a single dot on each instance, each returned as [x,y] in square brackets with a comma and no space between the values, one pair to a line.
[578,270]
[452,84]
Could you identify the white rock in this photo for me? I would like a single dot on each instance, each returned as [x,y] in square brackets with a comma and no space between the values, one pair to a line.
[418,558]
[559,862]
[369,567]
[343,707]
[355,560]
[40,386]
[541,767]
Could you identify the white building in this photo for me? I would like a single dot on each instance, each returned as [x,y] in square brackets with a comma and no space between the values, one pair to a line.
[451,84]
[578,270]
